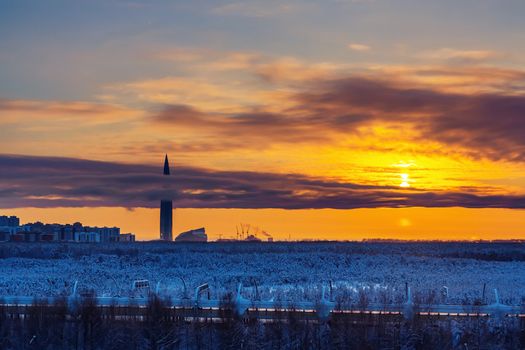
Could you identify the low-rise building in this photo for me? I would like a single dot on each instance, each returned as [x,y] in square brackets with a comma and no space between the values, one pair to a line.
[87,237]
[5,236]
[9,224]
[126,237]
[10,229]
[11,221]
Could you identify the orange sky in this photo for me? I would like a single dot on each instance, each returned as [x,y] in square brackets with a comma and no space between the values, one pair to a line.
[343,105]
[357,224]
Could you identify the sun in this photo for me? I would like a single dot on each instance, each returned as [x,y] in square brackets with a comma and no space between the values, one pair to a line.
[404,180]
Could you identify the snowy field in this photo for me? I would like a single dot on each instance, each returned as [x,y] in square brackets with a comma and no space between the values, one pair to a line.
[376,272]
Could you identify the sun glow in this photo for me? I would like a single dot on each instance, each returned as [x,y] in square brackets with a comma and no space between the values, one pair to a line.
[404,180]
[404,222]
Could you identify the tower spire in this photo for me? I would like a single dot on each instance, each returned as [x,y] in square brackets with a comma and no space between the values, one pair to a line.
[166,210]
[166,166]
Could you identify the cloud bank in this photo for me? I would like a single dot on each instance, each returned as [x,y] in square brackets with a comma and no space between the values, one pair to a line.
[28,181]
[487,124]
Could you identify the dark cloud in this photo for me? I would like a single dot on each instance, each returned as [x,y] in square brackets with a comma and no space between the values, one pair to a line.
[180,115]
[27,181]
[257,128]
[490,124]
[486,125]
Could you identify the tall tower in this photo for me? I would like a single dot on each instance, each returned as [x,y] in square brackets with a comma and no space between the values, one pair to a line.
[166,211]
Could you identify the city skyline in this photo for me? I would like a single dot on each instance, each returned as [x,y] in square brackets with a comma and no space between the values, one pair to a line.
[315,120]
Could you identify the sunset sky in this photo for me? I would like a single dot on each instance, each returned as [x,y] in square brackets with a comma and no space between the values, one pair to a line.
[335,119]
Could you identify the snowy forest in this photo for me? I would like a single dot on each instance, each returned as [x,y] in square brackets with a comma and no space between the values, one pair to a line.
[287,271]
[355,274]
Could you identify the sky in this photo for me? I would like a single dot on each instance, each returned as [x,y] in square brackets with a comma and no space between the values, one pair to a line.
[335,119]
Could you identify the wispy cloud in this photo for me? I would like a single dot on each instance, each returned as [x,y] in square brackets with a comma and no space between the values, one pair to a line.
[461,55]
[69,109]
[359,47]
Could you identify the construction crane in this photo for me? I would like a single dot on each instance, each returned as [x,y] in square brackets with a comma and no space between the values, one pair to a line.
[244,234]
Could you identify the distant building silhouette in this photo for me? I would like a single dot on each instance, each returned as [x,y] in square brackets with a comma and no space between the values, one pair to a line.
[41,232]
[197,235]
[166,211]
[11,230]
[9,221]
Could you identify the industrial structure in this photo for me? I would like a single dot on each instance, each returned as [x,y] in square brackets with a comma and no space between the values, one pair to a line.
[244,233]
[197,235]
[166,211]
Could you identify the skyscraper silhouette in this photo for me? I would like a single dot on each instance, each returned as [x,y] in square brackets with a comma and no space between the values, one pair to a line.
[166,211]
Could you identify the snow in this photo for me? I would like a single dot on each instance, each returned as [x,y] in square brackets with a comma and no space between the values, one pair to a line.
[282,271]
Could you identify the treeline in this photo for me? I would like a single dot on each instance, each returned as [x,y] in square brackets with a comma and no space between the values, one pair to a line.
[496,251]
[87,327]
